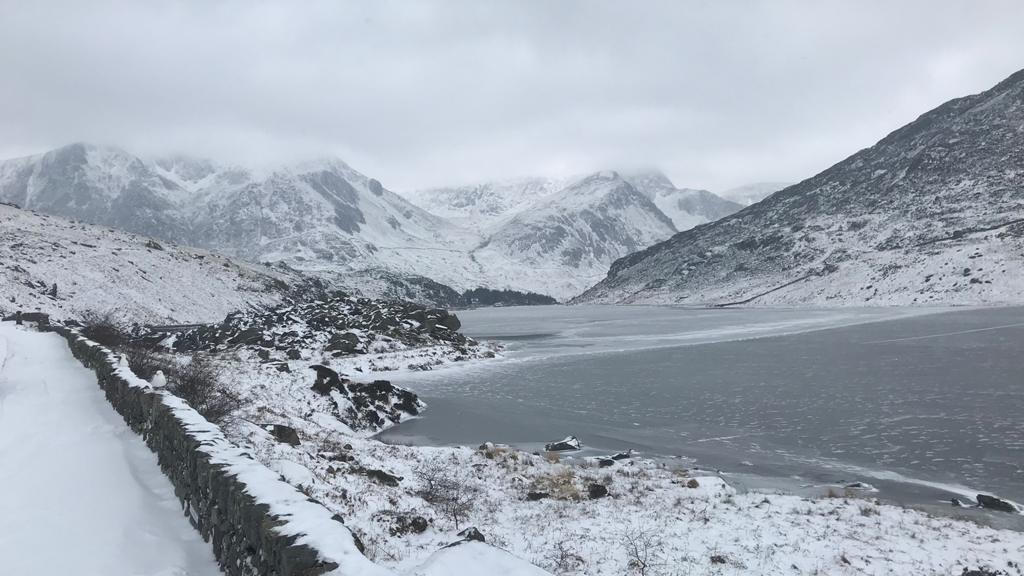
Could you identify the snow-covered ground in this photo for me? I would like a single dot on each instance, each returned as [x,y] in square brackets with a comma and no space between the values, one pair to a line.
[81,493]
[652,509]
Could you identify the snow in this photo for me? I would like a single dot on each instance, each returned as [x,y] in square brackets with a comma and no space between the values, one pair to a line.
[750,193]
[102,270]
[82,494]
[475,559]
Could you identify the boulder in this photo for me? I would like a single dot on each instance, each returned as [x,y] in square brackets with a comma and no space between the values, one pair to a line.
[993,503]
[605,462]
[284,434]
[402,524]
[380,476]
[693,483]
[595,491]
[343,343]
[568,444]
[535,496]
[472,534]
[326,380]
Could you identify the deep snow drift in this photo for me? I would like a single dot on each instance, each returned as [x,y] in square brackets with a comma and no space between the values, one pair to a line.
[82,494]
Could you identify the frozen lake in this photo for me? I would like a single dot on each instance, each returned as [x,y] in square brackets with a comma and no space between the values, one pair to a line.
[920,403]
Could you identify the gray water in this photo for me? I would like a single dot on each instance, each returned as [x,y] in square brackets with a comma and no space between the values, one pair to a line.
[921,404]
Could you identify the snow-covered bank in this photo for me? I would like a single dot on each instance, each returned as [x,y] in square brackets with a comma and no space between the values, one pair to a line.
[81,493]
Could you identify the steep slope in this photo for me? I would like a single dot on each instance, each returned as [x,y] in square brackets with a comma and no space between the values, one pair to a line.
[325,217]
[322,216]
[100,185]
[65,268]
[568,241]
[750,193]
[686,207]
[932,213]
[481,206]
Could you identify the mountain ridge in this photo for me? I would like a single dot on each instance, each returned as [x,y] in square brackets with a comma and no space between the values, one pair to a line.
[927,215]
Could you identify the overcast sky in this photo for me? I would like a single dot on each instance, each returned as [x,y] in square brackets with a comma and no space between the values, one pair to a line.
[717,94]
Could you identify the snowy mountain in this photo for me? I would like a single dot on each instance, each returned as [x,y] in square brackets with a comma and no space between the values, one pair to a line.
[64,268]
[549,236]
[750,193]
[686,207]
[100,185]
[481,206]
[567,241]
[933,213]
[320,216]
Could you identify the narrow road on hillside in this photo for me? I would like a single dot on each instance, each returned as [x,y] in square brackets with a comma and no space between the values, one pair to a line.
[80,493]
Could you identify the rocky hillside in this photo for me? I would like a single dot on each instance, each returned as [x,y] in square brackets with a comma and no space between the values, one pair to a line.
[319,355]
[65,268]
[933,213]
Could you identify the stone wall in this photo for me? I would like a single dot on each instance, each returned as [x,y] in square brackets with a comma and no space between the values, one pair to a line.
[256,523]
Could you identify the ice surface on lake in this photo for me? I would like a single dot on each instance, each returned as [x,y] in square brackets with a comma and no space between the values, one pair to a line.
[928,394]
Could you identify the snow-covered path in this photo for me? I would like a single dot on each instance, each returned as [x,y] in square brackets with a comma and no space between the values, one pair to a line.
[80,493]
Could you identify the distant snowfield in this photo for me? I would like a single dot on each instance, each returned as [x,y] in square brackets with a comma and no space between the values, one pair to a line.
[82,494]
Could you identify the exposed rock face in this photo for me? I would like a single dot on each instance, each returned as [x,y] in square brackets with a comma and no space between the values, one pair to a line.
[897,223]
[993,503]
[568,444]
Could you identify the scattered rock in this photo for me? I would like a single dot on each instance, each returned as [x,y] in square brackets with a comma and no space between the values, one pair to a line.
[718,559]
[982,572]
[568,444]
[993,503]
[534,496]
[379,476]
[473,534]
[605,462]
[402,524]
[596,491]
[622,455]
[284,434]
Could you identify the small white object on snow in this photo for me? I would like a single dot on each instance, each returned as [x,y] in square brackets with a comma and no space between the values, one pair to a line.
[158,380]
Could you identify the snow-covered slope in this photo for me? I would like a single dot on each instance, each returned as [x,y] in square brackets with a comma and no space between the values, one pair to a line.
[568,241]
[97,184]
[325,217]
[65,268]
[932,213]
[750,193]
[549,236]
[481,206]
[686,207]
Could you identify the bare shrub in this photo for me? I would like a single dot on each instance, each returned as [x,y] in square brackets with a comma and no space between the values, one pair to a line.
[144,362]
[565,559]
[104,328]
[448,492]
[198,384]
[642,545]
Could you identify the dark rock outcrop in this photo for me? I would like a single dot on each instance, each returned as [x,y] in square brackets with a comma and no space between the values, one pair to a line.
[993,503]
